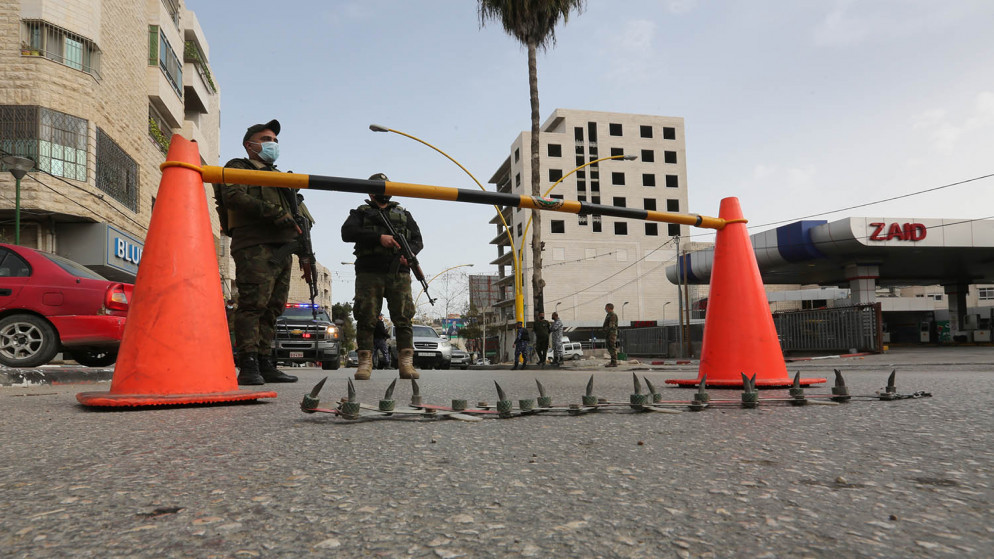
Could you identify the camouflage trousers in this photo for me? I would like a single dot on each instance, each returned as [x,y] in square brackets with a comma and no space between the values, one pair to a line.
[612,346]
[262,292]
[370,290]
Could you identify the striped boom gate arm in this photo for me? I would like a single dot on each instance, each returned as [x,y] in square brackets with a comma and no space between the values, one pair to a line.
[390,188]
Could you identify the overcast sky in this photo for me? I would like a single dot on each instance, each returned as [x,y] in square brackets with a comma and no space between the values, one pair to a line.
[796,107]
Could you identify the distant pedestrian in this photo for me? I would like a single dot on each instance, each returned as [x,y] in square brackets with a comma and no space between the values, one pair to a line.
[556,332]
[541,339]
[611,333]
[380,343]
[520,346]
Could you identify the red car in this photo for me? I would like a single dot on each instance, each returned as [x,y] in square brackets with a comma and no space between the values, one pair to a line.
[50,304]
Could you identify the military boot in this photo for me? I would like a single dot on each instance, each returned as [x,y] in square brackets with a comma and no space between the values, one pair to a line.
[365,364]
[267,367]
[406,358]
[248,370]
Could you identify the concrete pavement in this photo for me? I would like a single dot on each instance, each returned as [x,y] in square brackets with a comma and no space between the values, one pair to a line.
[865,479]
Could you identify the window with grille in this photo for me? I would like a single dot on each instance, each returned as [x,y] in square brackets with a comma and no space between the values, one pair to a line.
[986,293]
[55,141]
[40,38]
[596,225]
[117,172]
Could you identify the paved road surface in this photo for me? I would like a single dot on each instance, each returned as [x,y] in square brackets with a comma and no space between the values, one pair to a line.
[866,479]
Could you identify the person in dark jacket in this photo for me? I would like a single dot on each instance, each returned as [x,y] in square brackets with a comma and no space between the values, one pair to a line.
[382,272]
[380,342]
[541,329]
[260,222]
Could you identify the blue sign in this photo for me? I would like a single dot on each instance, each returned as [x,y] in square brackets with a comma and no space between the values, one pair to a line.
[124,252]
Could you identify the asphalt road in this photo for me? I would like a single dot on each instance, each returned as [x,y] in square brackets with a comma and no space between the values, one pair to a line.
[909,478]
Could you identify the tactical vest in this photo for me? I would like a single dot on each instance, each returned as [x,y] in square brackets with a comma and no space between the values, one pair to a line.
[372,222]
[230,219]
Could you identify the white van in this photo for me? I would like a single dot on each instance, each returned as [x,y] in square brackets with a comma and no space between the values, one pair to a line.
[571,350]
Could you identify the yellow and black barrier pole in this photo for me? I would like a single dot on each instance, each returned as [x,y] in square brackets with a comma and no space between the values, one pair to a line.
[361,186]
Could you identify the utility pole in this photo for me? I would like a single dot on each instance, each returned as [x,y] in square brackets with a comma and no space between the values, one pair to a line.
[679,296]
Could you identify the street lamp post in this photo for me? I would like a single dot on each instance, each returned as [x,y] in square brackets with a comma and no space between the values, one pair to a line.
[623,312]
[19,166]
[519,304]
[664,311]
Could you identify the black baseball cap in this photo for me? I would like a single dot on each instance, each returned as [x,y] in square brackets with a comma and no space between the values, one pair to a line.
[273,125]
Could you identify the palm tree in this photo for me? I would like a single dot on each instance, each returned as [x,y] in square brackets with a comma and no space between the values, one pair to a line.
[533,24]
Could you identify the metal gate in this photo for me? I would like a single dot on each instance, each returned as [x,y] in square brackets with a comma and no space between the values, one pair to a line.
[846,329]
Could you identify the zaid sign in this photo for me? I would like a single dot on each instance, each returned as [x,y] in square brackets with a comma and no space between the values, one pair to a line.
[898,231]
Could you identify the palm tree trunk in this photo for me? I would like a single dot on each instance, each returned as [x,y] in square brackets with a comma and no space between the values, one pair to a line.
[537,282]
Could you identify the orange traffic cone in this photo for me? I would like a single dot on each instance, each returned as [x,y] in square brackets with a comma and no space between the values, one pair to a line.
[739,335]
[176,348]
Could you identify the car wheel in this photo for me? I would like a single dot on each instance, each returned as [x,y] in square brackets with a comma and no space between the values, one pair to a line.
[330,365]
[94,357]
[445,364]
[464,367]
[27,341]
[576,357]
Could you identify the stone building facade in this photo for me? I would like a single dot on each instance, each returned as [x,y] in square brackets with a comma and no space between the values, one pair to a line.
[92,91]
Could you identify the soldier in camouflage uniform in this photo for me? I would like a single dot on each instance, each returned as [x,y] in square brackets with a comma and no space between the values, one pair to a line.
[259,222]
[382,272]
[611,333]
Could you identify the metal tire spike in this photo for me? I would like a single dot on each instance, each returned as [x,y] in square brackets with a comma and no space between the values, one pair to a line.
[890,393]
[656,397]
[389,393]
[796,392]
[311,401]
[840,392]
[544,401]
[415,393]
[638,385]
[750,397]
[500,392]
[588,399]
[351,391]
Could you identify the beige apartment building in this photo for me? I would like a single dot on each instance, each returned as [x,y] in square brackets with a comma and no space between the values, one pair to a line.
[592,260]
[92,91]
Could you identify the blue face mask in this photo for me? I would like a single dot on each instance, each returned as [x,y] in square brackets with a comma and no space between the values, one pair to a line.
[270,151]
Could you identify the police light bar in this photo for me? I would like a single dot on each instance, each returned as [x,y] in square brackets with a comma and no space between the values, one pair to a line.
[302,306]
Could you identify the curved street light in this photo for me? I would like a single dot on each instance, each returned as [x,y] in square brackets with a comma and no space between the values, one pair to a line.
[555,184]
[623,311]
[519,301]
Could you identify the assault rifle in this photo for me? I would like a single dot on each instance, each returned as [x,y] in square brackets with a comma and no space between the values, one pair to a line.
[302,247]
[406,252]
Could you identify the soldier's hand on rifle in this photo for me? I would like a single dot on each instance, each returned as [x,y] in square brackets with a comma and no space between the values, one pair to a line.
[305,266]
[285,220]
[389,242]
[403,260]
